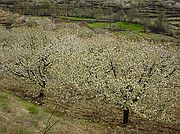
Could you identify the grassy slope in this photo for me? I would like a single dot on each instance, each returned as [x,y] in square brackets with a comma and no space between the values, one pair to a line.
[18,116]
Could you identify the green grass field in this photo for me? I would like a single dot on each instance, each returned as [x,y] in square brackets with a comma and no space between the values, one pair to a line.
[99,25]
[94,24]
[120,25]
[129,26]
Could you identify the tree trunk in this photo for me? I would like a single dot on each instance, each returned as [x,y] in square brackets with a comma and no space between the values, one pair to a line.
[125,116]
[144,29]
[41,92]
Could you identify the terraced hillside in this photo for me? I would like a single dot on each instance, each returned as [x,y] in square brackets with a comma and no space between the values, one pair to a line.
[148,9]
[10,19]
[172,12]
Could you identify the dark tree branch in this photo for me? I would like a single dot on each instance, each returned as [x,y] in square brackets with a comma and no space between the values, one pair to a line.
[170,73]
